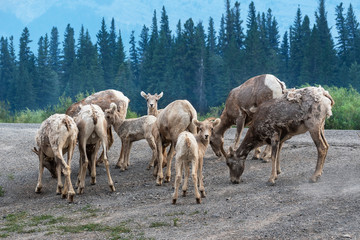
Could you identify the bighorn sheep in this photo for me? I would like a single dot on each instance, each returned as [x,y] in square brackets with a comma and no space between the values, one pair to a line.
[56,136]
[172,120]
[277,120]
[103,100]
[190,149]
[152,101]
[240,106]
[92,131]
[129,131]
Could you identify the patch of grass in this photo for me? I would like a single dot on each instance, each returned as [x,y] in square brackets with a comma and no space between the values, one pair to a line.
[46,220]
[159,224]
[91,227]
[175,220]
[194,213]
[11,176]
[14,222]
[4,235]
[2,192]
[174,214]
[88,209]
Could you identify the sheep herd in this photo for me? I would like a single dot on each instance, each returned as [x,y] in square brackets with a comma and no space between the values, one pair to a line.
[273,114]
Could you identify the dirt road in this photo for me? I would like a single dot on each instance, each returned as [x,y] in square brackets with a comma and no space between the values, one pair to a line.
[292,209]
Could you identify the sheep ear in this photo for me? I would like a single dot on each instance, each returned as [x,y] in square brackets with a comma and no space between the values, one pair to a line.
[160,95]
[113,108]
[144,95]
[216,122]
[196,122]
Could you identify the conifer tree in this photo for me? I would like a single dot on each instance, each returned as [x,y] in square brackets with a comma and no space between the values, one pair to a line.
[54,50]
[68,78]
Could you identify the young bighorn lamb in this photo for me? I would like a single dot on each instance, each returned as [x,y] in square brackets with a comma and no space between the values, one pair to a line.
[129,131]
[277,120]
[190,149]
[172,120]
[103,100]
[92,131]
[240,106]
[56,136]
[152,103]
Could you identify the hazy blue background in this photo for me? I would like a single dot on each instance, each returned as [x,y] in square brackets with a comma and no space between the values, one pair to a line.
[41,15]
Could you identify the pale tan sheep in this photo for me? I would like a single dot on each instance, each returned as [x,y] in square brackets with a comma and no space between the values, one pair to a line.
[152,103]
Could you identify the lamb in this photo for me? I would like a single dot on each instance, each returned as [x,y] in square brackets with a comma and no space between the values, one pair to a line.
[103,100]
[129,131]
[240,107]
[56,136]
[152,101]
[277,120]
[92,131]
[190,149]
[175,118]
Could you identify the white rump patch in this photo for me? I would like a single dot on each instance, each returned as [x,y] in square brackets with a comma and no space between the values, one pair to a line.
[274,84]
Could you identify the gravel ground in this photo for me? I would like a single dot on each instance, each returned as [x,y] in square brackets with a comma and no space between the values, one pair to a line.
[292,209]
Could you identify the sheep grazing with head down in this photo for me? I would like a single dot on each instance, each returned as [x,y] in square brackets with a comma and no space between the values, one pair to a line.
[129,131]
[152,103]
[190,149]
[56,136]
[92,132]
[296,112]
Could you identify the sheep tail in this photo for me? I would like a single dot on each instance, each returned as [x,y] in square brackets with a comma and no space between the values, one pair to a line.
[94,116]
[67,123]
[187,141]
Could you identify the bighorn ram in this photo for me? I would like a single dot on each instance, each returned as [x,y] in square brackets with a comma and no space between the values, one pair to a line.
[56,136]
[152,101]
[190,149]
[92,131]
[103,100]
[129,131]
[296,112]
[172,120]
[240,106]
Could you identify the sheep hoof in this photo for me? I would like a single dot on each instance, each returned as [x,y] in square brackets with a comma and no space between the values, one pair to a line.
[278,172]
[70,198]
[80,190]
[174,201]
[63,195]
[203,195]
[255,158]
[159,182]
[198,200]
[314,179]
[271,182]
[264,160]
[117,166]
[167,179]
[38,189]
[93,181]
[184,193]
[112,188]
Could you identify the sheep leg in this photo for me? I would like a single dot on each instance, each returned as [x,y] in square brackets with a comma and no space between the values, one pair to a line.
[266,154]
[151,142]
[126,152]
[194,169]
[160,175]
[83,167]
[110,141]
[322,148]
[93,163]
[178,178]
[106,162]
[169,158]
[41,170]
[274,152]
[278,169]
[201,178]
[69,186]
[186,179]
[59,181]
[67,173]
[127,157]
[121,157]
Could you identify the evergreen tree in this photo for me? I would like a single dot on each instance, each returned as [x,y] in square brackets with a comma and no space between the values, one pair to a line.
[284,59]
[112,52]
[143,55]
[54,50]
[134,60]
[343,36]
[7,72]
[238,29]
[353,31]
[103,43]
[201,102]
[296,50]
[24,91]
[222,37]
[211,36]
[68,78]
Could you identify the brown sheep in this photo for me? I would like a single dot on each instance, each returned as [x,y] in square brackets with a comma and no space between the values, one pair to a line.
[277,120]
[152,103]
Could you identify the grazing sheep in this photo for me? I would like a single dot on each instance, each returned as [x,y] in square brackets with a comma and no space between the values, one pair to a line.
[92,131]
[190,149]
[152,103]
[172,120]
[240,107]
[129,131]
[296,112]
[56,136]
[103,100]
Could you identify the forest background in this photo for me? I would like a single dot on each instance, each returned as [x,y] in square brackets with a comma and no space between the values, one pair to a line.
[194,63]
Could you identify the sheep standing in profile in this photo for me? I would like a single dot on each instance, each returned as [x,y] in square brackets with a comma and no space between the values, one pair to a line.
[275,121]
[92,132]
[190,149]
[56,136]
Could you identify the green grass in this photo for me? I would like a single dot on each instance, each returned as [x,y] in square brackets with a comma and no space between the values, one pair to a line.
[159,224]
[11,176]
[174,214]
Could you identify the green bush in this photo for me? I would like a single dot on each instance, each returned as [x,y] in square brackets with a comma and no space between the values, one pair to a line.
[5,115]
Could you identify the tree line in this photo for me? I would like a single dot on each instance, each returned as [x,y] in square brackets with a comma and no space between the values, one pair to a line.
[194,63]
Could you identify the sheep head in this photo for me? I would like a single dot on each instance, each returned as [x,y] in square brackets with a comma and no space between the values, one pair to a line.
[206,127]
[236,166]
[110,114]
[151,100]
